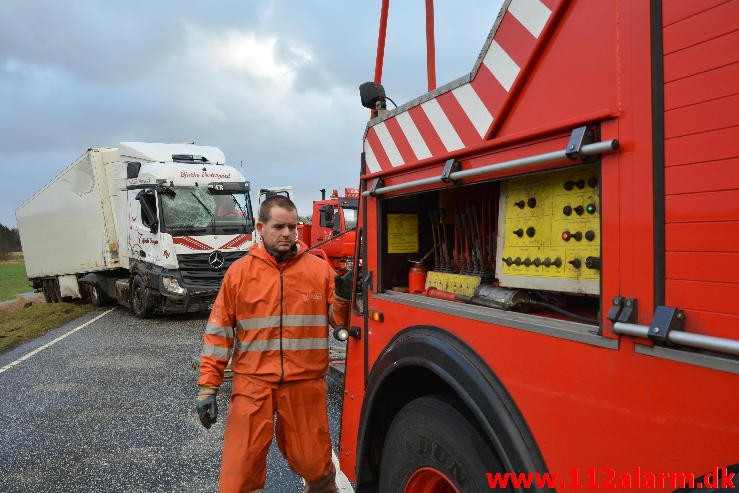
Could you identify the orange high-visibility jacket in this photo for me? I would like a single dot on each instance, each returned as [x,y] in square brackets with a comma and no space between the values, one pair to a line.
[274,318]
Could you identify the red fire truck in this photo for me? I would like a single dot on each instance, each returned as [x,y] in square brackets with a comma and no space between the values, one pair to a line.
[571,209]
[331,233]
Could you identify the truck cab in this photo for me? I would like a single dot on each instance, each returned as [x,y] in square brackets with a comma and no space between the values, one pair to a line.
[333,222]
[189,218]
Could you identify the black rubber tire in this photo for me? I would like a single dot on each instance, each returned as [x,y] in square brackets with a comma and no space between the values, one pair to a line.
[57,290]
[46,288]
[52,292]
[140,303]
[97,296]
[432,432]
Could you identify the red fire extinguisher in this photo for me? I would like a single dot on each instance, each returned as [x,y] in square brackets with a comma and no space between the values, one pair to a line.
[417,278]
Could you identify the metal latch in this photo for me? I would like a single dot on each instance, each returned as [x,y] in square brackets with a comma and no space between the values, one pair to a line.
[578,138]
[622,310]
[666,318]
[375,185]
[450,167]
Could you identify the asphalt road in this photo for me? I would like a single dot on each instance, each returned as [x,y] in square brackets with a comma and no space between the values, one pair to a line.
[109,408]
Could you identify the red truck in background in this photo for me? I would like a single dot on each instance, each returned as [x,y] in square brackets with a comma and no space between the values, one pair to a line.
[579,193]
[331,233]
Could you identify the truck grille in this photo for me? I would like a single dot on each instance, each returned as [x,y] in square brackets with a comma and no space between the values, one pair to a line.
[197,272]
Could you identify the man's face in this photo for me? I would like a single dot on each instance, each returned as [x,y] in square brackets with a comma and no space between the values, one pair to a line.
[279,233]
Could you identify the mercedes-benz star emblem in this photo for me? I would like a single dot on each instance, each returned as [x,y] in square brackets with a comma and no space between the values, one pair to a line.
[216,260]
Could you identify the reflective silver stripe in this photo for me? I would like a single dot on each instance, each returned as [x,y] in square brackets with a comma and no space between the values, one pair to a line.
[287,320]
[217,330]
[260,345]
[304,320]
[216,352]
[258,323]
[295,344]
[287,344]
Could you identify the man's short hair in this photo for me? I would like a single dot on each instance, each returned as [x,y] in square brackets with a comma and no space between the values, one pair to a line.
[265,210]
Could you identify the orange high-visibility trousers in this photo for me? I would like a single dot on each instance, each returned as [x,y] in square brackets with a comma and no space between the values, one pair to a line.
[302,434]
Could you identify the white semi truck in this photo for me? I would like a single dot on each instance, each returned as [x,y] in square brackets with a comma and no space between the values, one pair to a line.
[151,226]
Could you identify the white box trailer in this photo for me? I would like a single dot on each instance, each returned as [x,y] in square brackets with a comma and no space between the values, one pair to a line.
[68,227]
[138,223]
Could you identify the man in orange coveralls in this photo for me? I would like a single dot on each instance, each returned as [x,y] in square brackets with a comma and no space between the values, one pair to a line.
[279,300]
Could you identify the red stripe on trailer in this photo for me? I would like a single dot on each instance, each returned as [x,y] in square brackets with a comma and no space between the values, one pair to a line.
[491,92]
[423,124]
[515,39]
[401,141]
[552,4]
[378,149]
[458,118]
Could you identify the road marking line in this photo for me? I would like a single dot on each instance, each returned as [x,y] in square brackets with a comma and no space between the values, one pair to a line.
[342,482]
[51,343]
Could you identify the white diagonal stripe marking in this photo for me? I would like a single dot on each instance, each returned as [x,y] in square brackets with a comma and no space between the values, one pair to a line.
[531,13]
[388,144]
[342,482]
[501,65]
[420,149]
[473,106]
[373,166]
[442,125]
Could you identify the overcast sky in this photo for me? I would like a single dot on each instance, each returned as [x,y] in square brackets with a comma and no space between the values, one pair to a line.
[273,83]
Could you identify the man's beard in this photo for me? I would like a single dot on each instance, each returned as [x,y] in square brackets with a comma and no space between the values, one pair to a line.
[282,256]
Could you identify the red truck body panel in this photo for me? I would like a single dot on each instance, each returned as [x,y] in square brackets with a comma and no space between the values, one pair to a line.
[668,219]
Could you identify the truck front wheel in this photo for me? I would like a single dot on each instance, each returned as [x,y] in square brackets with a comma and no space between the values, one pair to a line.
[140,301]
[433,447]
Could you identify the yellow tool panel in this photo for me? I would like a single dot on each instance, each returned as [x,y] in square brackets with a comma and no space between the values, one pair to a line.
[549,232]
[453,283]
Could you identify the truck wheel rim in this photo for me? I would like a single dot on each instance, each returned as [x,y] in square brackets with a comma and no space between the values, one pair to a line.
[429,480]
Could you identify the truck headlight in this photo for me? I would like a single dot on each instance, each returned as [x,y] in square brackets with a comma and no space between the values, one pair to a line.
[171,285]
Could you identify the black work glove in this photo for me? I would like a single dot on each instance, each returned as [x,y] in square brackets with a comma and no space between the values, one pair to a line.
[343,286]
[206,405]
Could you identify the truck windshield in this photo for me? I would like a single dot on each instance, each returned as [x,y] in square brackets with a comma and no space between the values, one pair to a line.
[188,210]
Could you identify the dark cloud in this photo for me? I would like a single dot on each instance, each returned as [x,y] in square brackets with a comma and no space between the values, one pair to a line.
[272,83]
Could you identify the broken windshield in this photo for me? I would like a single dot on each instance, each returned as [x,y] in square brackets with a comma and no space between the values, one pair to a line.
[196,210]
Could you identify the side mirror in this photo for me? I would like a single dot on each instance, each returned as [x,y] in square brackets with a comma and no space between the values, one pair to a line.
[132,169]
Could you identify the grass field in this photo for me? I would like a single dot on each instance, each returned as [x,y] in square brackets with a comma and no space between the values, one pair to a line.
[24,319]
[13,280]
[20,323]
